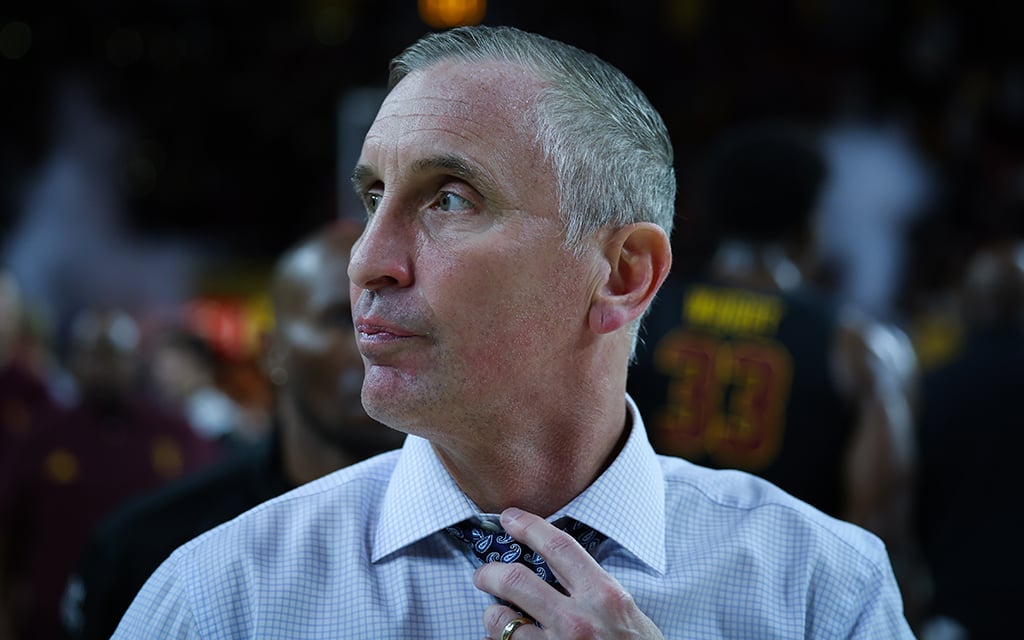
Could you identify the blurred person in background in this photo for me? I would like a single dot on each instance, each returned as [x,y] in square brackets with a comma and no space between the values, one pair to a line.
[185,373]
[23,394]
[746,366]
[862,232]
[82,461]
[319,427]
[24,400]
[970,440]
[930,300]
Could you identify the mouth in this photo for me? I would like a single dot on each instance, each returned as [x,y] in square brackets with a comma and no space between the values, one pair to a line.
[374,331]
[382,324]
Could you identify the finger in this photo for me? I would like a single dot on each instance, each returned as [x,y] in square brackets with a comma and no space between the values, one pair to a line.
[517,585]
[570,562]
[497,617]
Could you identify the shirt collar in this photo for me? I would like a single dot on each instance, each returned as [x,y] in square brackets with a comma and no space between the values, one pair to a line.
[626,503]
[420,499]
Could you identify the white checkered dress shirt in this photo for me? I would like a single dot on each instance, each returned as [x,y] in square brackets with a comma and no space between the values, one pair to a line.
[362,553]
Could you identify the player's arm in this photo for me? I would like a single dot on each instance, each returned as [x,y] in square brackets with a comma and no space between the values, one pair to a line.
[877,371]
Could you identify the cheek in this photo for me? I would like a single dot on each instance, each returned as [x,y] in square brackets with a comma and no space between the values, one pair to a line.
[510,294]
[510,311]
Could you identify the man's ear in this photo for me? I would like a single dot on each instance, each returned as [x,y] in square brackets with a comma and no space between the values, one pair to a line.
[639,258]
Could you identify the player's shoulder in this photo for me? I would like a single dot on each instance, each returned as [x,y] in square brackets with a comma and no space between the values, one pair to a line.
[348,496]
[202,490]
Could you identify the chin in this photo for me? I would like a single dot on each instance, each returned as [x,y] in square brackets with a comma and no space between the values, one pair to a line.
[400,417]
[388,414]
[385,396]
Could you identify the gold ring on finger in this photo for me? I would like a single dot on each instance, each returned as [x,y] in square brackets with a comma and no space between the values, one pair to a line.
[510,628]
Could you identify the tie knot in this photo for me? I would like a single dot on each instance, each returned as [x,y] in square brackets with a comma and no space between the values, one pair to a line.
[491,543]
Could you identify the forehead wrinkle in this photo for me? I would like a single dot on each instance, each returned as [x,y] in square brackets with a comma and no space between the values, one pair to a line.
[459,130]
[440,104]
[456,111]
[364,173]
[454,164]
[490,119]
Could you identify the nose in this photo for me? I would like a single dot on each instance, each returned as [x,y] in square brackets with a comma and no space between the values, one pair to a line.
[382,256]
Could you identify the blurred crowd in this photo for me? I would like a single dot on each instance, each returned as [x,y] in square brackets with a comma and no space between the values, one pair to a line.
[895,225]
[895,412]
[147,447]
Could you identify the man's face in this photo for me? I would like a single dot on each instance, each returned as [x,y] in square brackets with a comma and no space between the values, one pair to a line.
[469,309]
[324,367]
[104,356]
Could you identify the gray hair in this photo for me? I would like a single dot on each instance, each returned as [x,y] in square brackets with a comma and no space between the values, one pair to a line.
[610,148]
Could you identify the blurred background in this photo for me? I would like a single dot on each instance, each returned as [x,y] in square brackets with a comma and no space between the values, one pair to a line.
[155,150]
[156,157]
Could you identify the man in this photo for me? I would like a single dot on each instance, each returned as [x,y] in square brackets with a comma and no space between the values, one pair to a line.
[80,463]
[971,440]
[320,427]
[24,397]
[746,366]
[25,402]
[520,194]
[185,370]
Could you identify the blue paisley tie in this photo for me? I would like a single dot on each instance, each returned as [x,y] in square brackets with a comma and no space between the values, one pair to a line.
[492,544]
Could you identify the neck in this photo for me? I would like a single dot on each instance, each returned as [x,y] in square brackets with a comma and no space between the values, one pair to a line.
[539,459]
[306,455]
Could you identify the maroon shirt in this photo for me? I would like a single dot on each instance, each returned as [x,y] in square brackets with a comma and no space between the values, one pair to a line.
[23,400]
[73,469]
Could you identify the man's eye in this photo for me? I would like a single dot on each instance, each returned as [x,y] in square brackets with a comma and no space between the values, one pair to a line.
[451,202]
[373,201]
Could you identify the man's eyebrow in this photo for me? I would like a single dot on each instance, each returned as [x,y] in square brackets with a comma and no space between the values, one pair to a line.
[455,165]
[448,162]
[458,167]
[362,176]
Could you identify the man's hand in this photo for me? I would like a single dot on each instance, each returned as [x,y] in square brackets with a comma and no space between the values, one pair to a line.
[594,605]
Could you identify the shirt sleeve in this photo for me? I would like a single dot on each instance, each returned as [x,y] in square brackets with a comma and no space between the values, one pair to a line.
[881,615]
[162,609]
